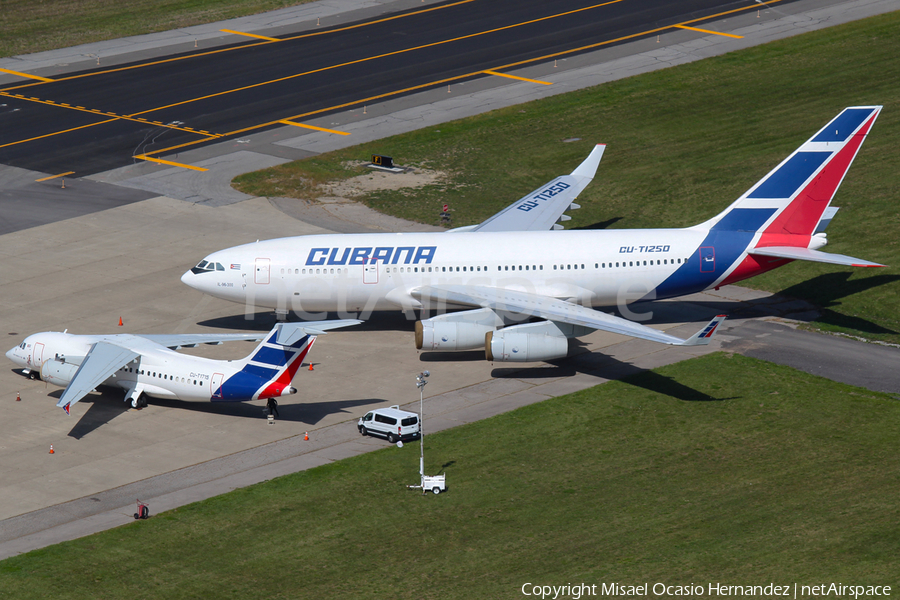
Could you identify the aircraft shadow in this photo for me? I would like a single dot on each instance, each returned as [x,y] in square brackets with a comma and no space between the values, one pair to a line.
[102,410]
[828,289]
[605,367]
[105,407]
[266,320]
[308,413]
[600,225]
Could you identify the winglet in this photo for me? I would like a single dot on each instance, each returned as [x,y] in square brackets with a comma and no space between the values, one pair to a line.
[66,407]
[588,168]
[702,337]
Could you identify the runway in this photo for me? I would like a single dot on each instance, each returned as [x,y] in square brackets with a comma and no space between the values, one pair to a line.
[124,259]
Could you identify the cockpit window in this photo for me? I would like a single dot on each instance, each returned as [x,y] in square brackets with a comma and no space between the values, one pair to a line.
[206,266]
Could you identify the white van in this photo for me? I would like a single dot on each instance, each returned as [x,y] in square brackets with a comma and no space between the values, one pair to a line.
[391,423]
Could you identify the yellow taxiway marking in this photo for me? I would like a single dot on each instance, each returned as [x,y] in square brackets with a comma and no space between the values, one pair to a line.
[26,75]
[230,49]
[731,35]
[54,176]
[253,35]
[381,56]
[286,122]
[169,162]
[519,78]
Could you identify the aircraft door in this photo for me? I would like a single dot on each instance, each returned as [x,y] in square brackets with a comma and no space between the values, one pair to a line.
[707,259]
[262,270]
[370,270]
[37,355]
[215,385]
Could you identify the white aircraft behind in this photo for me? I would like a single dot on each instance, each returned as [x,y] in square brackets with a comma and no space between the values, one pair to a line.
[516,266]
[147,365]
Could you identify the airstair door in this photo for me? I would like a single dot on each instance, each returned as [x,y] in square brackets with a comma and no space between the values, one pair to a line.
[262,270]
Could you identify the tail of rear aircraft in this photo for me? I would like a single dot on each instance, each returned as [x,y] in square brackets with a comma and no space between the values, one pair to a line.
[792,199]
[782,217]
[269,370]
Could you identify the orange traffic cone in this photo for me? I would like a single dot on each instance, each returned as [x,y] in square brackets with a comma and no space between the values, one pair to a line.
[120,321]
[306,436]
[310,367]
[18,397]
[52,451]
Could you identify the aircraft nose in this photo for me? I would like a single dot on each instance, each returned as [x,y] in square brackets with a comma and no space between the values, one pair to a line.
[11,354]
[189,279]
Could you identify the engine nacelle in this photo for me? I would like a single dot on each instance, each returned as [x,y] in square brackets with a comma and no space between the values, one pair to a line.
[456,331]
[58,372]
[514,344]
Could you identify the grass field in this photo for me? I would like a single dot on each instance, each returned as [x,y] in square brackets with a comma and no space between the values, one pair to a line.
[30,26]
[683,143]
[757,474]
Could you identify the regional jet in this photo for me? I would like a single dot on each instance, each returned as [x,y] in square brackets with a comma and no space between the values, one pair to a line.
[148,365]
[516,265]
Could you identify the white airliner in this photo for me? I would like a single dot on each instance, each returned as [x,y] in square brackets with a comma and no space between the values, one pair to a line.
[517,264]
[147,365]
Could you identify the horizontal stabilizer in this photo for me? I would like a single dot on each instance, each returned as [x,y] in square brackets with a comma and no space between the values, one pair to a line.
[797,253]
[290,333]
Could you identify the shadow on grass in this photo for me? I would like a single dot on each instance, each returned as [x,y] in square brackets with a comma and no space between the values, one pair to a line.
[827,290]
[601,225]
[605,367]
[654,382]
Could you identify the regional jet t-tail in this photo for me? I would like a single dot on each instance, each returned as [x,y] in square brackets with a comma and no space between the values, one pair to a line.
[517,265]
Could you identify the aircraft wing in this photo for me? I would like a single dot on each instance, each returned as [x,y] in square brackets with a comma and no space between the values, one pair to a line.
[189,340]
[541,209]
[103,360]
[553,309]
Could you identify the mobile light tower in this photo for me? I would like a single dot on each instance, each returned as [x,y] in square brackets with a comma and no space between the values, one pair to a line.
[435,483]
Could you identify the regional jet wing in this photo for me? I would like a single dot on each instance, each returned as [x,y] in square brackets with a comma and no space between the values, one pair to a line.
[190,340]
[542,208]
[553,309]
[103,360]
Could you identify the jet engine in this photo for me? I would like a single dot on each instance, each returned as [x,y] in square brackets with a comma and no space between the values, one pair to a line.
[456,331]
[531,342]
[58,372]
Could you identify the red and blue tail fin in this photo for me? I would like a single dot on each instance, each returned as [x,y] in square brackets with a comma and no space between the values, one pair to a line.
[781,217]
[791,200]
[269,370]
